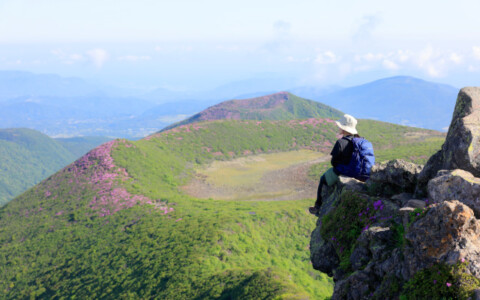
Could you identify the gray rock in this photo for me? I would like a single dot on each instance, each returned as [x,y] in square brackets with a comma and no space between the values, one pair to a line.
[447,233]
[355,287]
[462,146]
[402,198]
[331,195]
[322,253]
[476,295]
[456,184]
[415,203]
[377,239]
[397,175]
[359,258]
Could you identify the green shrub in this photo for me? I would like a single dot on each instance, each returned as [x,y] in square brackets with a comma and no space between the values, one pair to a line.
[441,281]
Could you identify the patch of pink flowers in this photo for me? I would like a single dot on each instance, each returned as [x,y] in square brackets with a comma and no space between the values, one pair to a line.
[97,169]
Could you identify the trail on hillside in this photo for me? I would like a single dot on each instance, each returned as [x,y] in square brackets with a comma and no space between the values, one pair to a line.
[290,182]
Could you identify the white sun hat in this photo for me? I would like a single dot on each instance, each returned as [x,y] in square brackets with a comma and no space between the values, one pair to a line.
[347,123]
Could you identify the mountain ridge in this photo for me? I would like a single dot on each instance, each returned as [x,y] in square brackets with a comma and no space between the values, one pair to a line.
[401,100]
[277,106]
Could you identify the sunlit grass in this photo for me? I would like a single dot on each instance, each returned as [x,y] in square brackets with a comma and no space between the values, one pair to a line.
[247,171]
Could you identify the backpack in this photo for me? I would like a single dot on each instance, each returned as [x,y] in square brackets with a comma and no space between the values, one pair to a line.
[361,162]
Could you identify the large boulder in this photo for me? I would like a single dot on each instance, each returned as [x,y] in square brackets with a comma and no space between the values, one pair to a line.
[394,176]
[448,233]
[331,194]
[457,184]
[461,149]
[322,253]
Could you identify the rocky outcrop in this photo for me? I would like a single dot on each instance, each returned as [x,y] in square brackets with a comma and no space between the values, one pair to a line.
[461,149]
[381,240]
[456,184]
[395,176]
[374,245]
[448,233]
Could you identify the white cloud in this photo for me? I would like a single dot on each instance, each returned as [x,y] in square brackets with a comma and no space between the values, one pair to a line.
[476,52]
[98,56]
[390,65]
[373,57]
[66,58]
[326,58]
[403,56]
[134,58]
[297,59]
[432,62]
[456,58]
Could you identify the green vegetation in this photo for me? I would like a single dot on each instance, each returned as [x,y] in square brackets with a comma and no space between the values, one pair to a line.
[55,243]
[246,172]
[441,281]
[28,157]
[265,108]
[346,222]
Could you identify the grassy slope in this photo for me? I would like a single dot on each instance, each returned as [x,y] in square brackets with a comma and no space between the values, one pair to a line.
[28,157]
[53,244]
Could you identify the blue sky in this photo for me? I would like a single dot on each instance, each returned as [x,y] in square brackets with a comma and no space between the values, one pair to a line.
[191,45]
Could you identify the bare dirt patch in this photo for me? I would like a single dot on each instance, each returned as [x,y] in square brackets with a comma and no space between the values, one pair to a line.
[267,177]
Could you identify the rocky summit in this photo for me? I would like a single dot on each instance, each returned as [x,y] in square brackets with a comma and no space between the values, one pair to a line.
[410,231]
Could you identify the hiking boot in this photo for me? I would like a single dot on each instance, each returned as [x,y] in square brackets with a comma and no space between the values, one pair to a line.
[314,210]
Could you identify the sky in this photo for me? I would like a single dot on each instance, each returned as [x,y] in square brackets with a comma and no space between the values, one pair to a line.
[188,45]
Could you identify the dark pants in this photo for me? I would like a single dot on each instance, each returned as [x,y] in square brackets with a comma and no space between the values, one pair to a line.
[323,181]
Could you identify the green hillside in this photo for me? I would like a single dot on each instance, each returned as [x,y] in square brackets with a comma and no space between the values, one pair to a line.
[28,157]
[278,106]
[114,224]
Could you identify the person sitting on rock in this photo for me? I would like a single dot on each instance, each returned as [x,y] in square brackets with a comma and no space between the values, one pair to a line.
[342,158]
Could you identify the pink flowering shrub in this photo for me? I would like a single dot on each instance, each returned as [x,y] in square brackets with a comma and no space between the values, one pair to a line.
[96,174]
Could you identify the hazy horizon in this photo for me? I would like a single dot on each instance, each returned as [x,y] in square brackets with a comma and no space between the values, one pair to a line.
[188,46]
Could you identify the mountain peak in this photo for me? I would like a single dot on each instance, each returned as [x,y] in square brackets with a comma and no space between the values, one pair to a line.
[277,106]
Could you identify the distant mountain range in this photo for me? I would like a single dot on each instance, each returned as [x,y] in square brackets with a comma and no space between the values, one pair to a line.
[400,100]
[60,106]
[28,157]
[15,84]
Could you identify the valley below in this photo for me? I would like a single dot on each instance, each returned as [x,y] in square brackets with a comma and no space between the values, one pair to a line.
[263,177]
